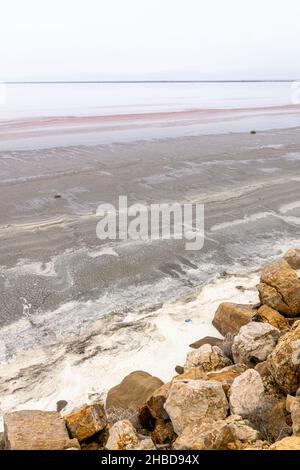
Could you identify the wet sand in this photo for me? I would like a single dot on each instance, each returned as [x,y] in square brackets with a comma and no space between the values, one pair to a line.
[68,296]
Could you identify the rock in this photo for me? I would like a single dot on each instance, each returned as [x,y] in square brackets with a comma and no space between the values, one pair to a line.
[230,317]
[163,432]
[288,443]
[86,421]
[267,314]
[195,374]
[122,436]
[279,288]
[227,375]
[131,394]
[215,435]
[36,430]
[295,414]
[253,132]
[206,340]
[254,343]
[270,419]
[262,369]
[60,405]
[145,444]
[156,401]
[284,361]
[288,403]
[292,257]
[246,393]
[179,369]
[207,358]
[193,400]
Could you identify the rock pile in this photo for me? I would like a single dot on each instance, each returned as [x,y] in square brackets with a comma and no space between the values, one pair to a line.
[242,392]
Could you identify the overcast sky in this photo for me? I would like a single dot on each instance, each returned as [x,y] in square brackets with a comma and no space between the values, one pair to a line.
[149,39]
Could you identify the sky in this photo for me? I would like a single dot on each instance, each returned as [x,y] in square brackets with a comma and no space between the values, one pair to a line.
[149,39]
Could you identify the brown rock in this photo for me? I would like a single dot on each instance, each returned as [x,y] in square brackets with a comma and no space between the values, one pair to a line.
[132,393]
[288,403]
[287,443]
[270,420]
[163,432]
[36,430]
[206,340]
[284,361]
[86,422]
[157,400]
[267,314]
[179,369]
[292,257]
[230,317]
[279,288]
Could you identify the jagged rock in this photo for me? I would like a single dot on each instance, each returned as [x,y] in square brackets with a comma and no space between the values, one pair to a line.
[131,394]
[36,430]
[156,401]
[230,317]
[267,314]
[284,361]
[163,432]
[145,444]
[246,393]
[227,375]
[254,343]
[287,443]
[215,435]
[122,436]
[207,358]
[279,288]
[86,421]
[192,400]
[206,340]
[295,413]
[292,257]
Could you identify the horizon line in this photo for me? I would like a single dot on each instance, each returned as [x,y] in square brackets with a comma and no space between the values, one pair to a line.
[24,82]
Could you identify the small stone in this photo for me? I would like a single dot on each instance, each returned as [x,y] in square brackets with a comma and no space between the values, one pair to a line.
[206,340]
[163,432]
[60,405]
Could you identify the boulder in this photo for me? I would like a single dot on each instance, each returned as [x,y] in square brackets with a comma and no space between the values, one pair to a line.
[267,314]
[287,443]
[36,430]
[279,288]
[254,343]
[292,257]
[216,435]
[122,436]
[131,394]
[163,432]
[246,393]
[284,361]
[207,358]
[295,414]
[206,340]
[192,400]
[86,421]
[230,317]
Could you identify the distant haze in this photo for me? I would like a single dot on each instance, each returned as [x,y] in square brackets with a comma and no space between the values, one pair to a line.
[149,39]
